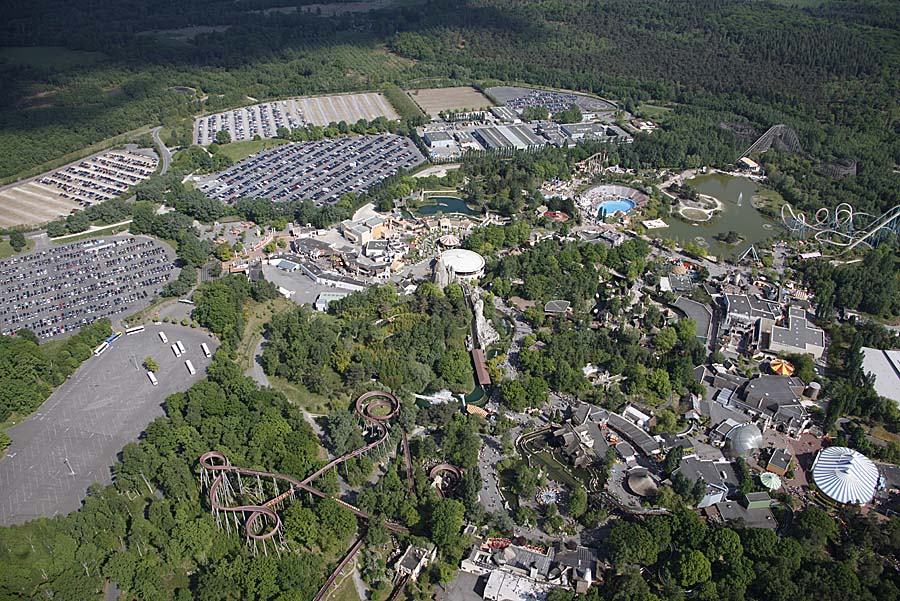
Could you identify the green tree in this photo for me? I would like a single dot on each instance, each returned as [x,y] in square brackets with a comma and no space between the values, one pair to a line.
[223,137]
[692,568]
[446,523]
[151,364]
[17,241]
[577,502]
[301,524]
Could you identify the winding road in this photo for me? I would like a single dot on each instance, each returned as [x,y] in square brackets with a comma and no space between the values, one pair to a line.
[165,155]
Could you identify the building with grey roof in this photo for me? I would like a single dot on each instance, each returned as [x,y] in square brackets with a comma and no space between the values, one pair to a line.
[719,477]
[414,560]
[884,366]
[776,400]
[750,511]
[635,435]
[583,563]
[582,439]
[749,309]
[700,313]
[438,139]
[557,307]
[780,461]
[324,300]
[798,337]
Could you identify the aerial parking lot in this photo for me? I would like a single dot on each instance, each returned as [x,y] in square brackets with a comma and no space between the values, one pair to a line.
[77,185]
[73,439]
[519,98]
[55,291]
[319,171]
[264,119]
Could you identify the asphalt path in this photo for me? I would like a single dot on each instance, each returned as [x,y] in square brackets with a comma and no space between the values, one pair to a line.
[74,438]
[165,155]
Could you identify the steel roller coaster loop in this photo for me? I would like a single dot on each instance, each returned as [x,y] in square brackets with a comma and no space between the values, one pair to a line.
[841,227]
[262,522]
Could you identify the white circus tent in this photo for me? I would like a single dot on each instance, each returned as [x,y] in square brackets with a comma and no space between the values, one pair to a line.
[845,475]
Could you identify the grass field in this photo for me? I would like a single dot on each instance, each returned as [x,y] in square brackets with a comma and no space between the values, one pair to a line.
[345,589]
[654,112]
[258,314]
[48,57]
[106,231]
[435,100]
[7,251]
[241,150]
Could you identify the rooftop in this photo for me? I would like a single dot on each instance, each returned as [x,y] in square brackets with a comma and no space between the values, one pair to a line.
[885,366]
[637,436]
[799,334]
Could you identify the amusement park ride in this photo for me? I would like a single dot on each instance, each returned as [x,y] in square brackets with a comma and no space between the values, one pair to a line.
[246,499]
[843,227]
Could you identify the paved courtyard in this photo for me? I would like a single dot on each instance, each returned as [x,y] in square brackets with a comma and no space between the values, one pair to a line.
[73,439]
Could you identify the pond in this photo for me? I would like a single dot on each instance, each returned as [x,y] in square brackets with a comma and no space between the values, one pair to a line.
[738,214]
[445,204]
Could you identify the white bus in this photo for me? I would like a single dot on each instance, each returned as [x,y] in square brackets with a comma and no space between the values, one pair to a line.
[162,336]
[190,367]
[101,349]
[152,377]
[180,346]
[175,350]
[205,349]
[134,330]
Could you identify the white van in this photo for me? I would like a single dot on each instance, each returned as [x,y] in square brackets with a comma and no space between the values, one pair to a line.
[180,346]
[162,336]
[175,350]
[190,367]
[152,377]
[205,349]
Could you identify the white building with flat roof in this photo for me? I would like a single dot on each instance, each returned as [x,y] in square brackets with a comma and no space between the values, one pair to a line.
[885,367]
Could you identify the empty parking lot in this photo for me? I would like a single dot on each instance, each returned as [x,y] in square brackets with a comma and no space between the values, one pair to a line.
[319,171]
[264,119]
[73,439]
[55,291]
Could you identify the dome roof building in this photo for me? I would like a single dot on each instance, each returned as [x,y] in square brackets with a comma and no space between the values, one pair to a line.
[743,440]
[845,475]
[463,264]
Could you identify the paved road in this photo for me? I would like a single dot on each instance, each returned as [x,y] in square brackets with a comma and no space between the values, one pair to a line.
[522,329]
[73,439]
[256,371]
[488,458]
[166,155]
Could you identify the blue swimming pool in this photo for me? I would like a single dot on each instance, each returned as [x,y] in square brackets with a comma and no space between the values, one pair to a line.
[608,207]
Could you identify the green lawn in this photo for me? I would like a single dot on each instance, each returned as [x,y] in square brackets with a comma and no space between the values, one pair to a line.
[107,231]
[48,57]
[654,112]
[7,251]
[241,150]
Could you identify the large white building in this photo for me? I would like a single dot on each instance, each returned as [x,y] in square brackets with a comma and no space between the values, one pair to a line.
[461,264]
[884,366]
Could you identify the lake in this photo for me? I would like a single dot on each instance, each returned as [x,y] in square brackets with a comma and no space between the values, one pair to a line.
[743,218]
[445,204]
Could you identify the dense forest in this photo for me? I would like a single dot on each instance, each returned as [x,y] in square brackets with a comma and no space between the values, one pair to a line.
[829,70]
[409,343]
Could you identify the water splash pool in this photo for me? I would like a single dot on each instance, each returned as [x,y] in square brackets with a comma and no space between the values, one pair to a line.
[609,207]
